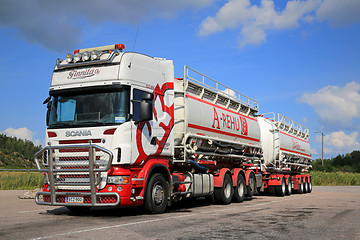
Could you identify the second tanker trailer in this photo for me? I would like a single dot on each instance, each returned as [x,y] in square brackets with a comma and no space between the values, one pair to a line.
[122,131]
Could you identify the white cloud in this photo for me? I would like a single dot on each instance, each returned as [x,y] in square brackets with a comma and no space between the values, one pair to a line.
[339,13]
[22,133]
[339,142]
[336,106]
[57,25]
[254,20]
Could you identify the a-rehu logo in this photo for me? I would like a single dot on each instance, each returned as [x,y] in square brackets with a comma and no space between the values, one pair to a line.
[74,74]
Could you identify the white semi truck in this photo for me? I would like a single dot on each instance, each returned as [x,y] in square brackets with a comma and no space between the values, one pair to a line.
[122,131]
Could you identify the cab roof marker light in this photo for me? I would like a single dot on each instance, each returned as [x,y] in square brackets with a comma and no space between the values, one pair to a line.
[120,46]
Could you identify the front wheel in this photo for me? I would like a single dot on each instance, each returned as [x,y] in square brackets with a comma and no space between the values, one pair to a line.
[157,194]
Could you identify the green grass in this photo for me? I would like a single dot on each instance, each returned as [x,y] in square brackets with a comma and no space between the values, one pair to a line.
[30,180]
[20,180]
[334,178]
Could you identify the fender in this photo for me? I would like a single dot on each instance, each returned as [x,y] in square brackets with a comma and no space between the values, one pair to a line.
[235,175]
[247,175]
[218,180]
[276,179]
[151,166]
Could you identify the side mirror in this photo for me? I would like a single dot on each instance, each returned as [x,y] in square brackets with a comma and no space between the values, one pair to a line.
[146,111]
[147,97]
[143,110]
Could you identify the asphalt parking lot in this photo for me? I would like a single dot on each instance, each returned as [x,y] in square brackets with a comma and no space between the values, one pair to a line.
[326,213]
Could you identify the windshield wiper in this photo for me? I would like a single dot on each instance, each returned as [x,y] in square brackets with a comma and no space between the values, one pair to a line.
[61,125]
[92,123]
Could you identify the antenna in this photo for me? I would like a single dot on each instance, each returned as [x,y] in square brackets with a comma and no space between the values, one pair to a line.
[136,35]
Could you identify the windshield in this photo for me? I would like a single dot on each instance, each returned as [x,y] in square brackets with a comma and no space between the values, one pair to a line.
[89,109]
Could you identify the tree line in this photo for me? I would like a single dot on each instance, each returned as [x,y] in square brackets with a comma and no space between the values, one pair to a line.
[16,152]
[344,163]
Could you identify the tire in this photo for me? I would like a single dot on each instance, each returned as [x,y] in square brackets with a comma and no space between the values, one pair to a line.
[306,186]
[310,185]
[224,194]
[239,191]
[157,194]
[250,189]
[301,187]
[281,190]
[289,187]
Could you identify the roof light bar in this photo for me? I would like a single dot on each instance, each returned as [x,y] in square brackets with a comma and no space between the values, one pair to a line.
[103,48]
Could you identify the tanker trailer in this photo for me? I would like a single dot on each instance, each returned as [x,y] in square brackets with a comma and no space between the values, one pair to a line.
[216,128]
[286,152]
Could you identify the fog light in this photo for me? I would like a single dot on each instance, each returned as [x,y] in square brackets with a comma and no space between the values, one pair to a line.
[133,191]
[69,58]
[86,56]
[95,55]
[77,57]
[119,189]
[110,188]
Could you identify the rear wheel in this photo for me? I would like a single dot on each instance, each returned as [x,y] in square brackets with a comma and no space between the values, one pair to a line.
[301,187]
[250,189]
[306,186]
[239,193]
[157,194]
[280,190]
[224,194]
[289,187]
[310,185]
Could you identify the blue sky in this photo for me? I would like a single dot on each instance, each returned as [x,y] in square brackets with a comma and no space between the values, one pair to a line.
[298,58]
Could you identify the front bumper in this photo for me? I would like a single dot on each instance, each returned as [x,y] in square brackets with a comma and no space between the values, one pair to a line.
[59,199]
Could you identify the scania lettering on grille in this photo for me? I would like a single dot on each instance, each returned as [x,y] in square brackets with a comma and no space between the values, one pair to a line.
[78,133]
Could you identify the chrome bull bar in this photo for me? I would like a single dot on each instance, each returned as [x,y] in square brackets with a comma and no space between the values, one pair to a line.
[76,167]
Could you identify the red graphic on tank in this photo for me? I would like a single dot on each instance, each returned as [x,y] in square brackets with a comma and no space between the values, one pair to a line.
[160,143]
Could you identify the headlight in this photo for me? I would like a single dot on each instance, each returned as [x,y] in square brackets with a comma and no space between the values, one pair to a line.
[77,57]
[69,58]
[118,179]
[85,56]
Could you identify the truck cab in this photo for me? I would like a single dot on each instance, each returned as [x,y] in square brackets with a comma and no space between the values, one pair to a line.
[112,107]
